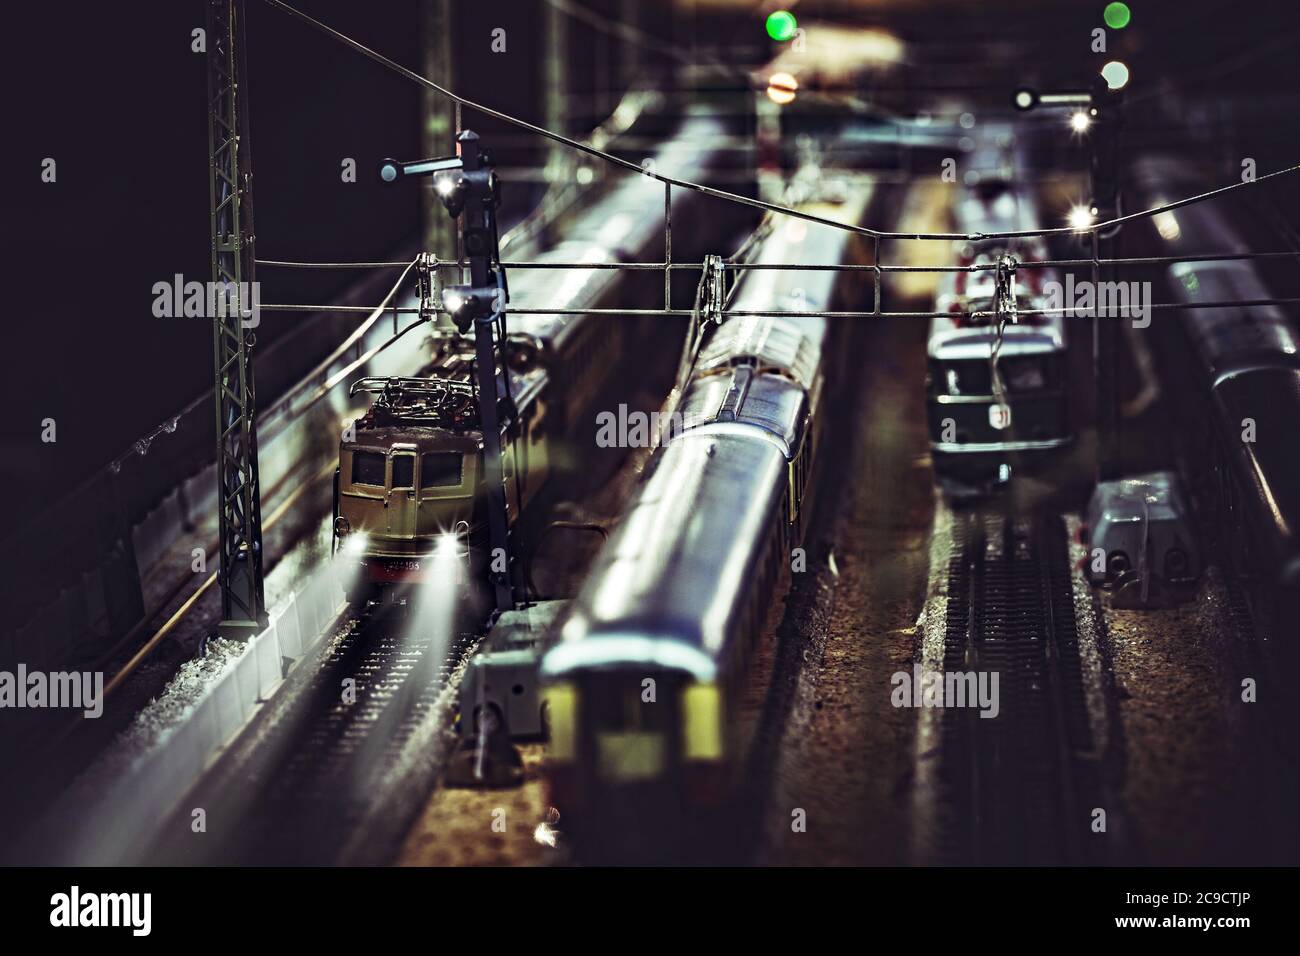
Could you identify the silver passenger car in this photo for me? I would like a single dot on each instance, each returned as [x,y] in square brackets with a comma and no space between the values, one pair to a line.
[643,682]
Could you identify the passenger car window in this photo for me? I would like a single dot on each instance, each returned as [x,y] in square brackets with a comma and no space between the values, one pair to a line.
[403,471]
[367,468]
[440,470]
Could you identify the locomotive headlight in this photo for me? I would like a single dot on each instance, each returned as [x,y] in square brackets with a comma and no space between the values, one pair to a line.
[357,544]
[451,545]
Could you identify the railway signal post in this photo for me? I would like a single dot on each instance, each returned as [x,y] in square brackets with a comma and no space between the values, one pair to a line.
[1106,200]
[1099,109]
[468,188]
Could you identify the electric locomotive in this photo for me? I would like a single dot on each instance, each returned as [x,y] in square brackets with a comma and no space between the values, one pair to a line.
[411,470]
[987,421]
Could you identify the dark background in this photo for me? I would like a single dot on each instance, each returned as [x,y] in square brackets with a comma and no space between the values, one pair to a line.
[115,95]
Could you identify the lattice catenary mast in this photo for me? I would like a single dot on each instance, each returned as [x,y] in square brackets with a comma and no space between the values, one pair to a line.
[230,180]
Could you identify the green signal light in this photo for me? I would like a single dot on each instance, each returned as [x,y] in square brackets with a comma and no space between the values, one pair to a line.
[781,25]
[1116,15]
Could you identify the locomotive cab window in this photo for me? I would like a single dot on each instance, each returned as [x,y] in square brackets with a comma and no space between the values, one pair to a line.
[441,470]
[368,468]
[403,471]
[1029,373]
[964,376]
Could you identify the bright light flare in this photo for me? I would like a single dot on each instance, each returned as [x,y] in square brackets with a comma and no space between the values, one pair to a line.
[1115,74]
[781,88]
[1080,121]
[449,544]
[434,601]
[545,834]
[1080,217]
[1166,224]
[355,544]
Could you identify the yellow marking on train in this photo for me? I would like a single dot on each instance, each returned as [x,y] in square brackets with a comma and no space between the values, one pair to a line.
[561,703]
[702,720]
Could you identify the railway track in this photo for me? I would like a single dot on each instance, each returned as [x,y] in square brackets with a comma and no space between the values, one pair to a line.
[320,796]
[309,790]
[1022,785]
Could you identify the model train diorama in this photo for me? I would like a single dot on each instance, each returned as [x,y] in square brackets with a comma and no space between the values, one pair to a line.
[682,590]
[638,683]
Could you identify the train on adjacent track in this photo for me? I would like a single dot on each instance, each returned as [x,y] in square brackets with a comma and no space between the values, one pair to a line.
[1246,477]
[645,683]
[988,423]
[411,468]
